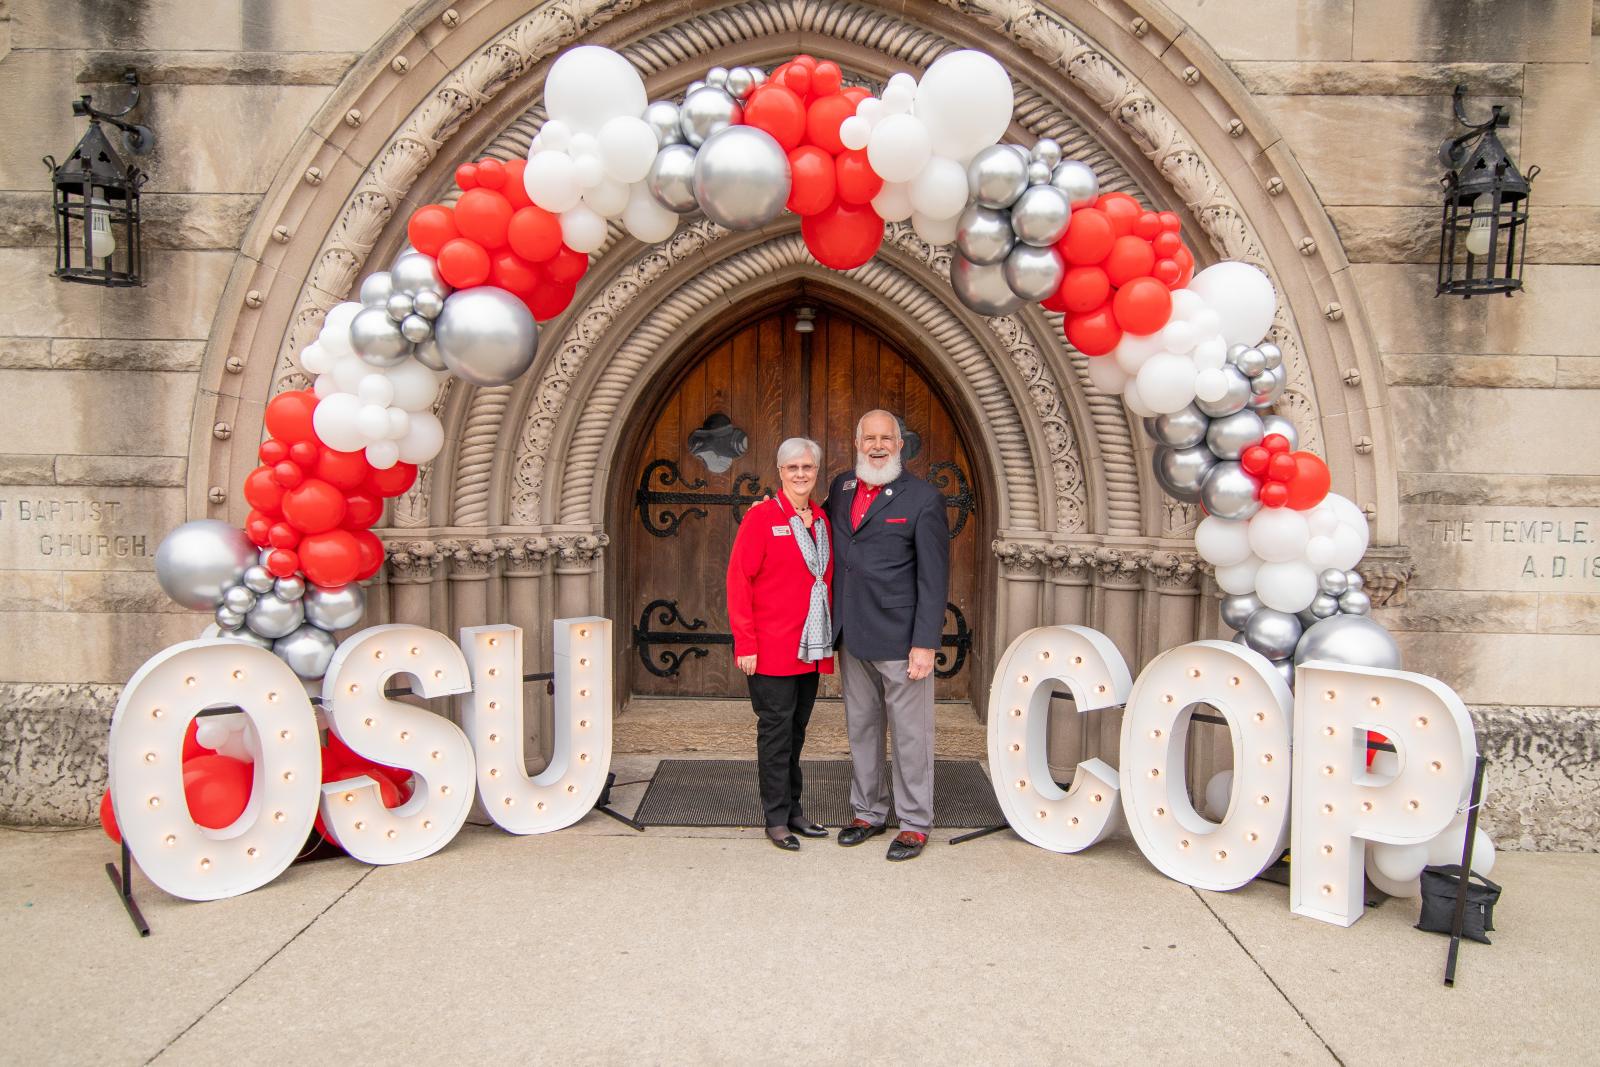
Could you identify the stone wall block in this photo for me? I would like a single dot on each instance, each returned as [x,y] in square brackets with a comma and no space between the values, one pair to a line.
[30,591]
[120,591]
[1405,317]
[119,354]
[1303,29]
[162,471]
[1570,613]
[98,413]
[1555,314]
[1542,776]
[1451,610]
[1562,132]
[27,470]
[1486,431]
[1534,669]
[1291,78]
[64,646]
[159,25]
[1455,31]
[53,752]
[1472,371]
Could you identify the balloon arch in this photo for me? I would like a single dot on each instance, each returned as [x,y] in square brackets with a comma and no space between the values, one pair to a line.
[1184,350]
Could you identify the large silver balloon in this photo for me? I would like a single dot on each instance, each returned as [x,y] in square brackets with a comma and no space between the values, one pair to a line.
[248,636]
[662,118]
[1235,399]
[1355,640]
[1039,217]
[307,651]
[1182,471]
[291,587]
[428,354]
[983,234]
[1277,424]
[335,607]
[1034,273]
[1228,492]
[416,272]
[1285,669]
[375,290]
[741,178]
[258,579]
[997,176]
[1238,607]
[1047,151]
[1274,634]
[1355,602]
[1266,388]
[983,287]
[238,599]
[1230,435]
[274,617]
[486,335]
[708,111]
[1181,429]
[377,339]
[1077,179]
[198,561]
[671,179]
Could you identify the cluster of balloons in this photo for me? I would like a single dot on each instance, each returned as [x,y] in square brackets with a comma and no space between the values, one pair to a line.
[1124,262]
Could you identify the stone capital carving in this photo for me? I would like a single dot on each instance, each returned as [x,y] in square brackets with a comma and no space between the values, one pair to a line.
[580,548]
[1387,571]
[472,559]
[523,555]
[412,562]
[1110,564]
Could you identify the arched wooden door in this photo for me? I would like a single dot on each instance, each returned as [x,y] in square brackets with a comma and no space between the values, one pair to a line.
[711,452]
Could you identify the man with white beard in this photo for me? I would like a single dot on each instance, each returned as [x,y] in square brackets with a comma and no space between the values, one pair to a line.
[890,582]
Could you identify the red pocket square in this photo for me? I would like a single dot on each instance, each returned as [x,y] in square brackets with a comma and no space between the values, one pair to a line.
[894,520]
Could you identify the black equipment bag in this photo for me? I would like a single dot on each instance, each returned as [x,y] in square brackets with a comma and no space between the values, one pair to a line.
[1439,902]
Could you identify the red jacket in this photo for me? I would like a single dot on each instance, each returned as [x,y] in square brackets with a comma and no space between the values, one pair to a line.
[769,589]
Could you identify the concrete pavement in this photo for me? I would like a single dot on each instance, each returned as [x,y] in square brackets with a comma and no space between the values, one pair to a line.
[600,945]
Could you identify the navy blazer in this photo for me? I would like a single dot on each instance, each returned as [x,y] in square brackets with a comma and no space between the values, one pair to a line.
[891,577]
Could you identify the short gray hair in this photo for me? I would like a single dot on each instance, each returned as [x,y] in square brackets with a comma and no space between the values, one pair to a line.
[792,448]
[899,434]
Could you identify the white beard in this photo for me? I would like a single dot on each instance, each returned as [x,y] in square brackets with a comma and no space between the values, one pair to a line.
[866,472]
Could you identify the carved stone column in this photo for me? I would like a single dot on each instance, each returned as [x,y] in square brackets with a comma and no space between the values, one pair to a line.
[1117,594]
[526,568]
[413,566]
[1068,585]
[471,565]
[1022,588]
[578,574]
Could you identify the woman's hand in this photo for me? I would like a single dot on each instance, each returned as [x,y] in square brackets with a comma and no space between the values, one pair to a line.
[746,664]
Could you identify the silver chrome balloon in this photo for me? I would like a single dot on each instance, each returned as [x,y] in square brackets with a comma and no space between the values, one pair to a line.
[399,305]
[238,599]
[1039,217]
[292,587]
[739,82]
[1181,429]
[1230,435]
[429,356]
[997,176]
[273,617]
[1277,424]
[1182,472]
[1229,492]
[1353,580]
[1251,362]
[706,111]
[983,234]
[1271,355]
[1078,180]
[1047,151]
[248,636]
[1238,607]
[1034,273]
[1333,582]
[662,117]
[1038,173]
[258,579]
[376,338]
[1234,352]
[1285,669]
[1266,388]
[1356,640]
[415,328]
[414,272]
[307,651]
[741,178]
[717,76]
[376,288]
[335,607]
[428,304]
[982,287]
[1235,399]
[671,179]
[1274,634]
[1355,602]
[1323,605]
[229,619]
[198,561]
[486,335]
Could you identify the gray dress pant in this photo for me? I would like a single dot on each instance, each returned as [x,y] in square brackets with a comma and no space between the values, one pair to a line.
[877,694]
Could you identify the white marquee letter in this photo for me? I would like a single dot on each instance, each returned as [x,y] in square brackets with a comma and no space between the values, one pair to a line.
[1339,805]
[1087,663]
[568,788]
[399,735]
[1183,844]
[146,754]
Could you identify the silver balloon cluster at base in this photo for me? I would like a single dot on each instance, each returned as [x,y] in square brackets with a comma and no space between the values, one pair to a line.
[399,307]
[207,565]
[1334,628]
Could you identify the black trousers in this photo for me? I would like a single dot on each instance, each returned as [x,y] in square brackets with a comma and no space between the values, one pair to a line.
[783,705]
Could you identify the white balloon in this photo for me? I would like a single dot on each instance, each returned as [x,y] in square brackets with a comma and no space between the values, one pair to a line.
[314,359]
[1211,353]
[383,454]
[555,135]
[1239,578]
[1166,383]
[899,148]
[965,99]
[1179,335]
[415,386]
[335,419]
[588,169]
[1133,351]
[399,423]
[627,148]
[1349,546]
[1211,385]
[893,202]
[855,133]
[335,335]
[1106,375]
[1219,792]
[423,439]
[211,732]
[1399,863]
[872,110]
[608,199]
[1286,586]
[1321,550]
[582,230]
[1131,397]
[940,231]
[551,181]
[324,386]
[1186,304]
[350,371]
[1279,535]
[645,218]
[373,422]
[1242,295]
[1222,542]
[1209,323]
[940,190]
[589,85]
[376,389]
[1324,518]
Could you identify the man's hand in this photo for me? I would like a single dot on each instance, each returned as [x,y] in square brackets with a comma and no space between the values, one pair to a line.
[920,664]
[746,664]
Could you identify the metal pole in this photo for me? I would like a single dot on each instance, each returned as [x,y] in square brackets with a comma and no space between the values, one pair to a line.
[1466,874]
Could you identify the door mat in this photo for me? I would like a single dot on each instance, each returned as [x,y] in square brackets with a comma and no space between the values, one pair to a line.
[714,792]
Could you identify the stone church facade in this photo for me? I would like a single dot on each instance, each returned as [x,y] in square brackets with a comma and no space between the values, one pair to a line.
[295,138]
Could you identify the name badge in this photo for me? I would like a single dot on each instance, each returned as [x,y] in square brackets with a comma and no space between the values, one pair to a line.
[851,484]
[781,531]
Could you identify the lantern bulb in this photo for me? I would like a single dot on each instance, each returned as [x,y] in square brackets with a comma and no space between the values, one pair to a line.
[1479,232]
[102,245]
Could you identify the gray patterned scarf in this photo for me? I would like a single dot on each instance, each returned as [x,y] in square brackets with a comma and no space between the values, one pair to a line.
[816,640]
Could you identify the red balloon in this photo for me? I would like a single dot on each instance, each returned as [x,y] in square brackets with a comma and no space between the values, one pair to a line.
[1123,211]
[430,227]
[1255,459]
[1130,258]
[1167,272]
[482,216]
[1147,227]
[1088,239]
[515,191]
[513,273]
[812,180]
[1142,306]
[305,453]
[567,266]
[467,176]
[390,792]
[858,182]
[844,236]
[826,78]
[1166,244]
[1084,289]
[272,451]
[191,742]
[331,558]
[262,491]
[823,118]
[288,474]
[534,234]
[371,553]
[550,300]
[108,818]
[392,481]
[339,760]
[289,416]
[1275,443]
[314,506]
[1056,301]
[802,59]
[258,528]
[362,510]
[1094,333]
[1310,483]
[855,93]
[1274,494]
[798,78]
[491,174]
[283,562]
[217,789]
[282,535]
[779,112]
[342,470]
[1185,260]
[1281,467]
[463,263]
[1170,221]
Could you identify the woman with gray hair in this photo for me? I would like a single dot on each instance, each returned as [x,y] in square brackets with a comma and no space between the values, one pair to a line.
[778,606]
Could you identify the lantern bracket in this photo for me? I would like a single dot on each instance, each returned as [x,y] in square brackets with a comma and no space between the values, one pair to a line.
[136,138]
[1454,151]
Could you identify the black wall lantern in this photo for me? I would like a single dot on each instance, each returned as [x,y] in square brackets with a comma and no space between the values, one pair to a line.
[97,200]
[1484,235]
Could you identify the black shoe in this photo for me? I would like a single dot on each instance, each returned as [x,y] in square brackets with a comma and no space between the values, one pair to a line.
[857,832]
[807,828]
[781,838]
[907,845]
